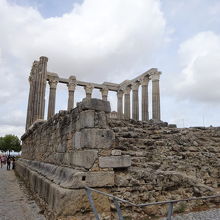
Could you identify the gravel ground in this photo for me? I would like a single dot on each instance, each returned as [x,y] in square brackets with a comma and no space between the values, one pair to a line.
[213,214]
[15,204]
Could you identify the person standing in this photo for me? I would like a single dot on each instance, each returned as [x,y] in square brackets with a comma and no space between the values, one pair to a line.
[8,163]
[2,161]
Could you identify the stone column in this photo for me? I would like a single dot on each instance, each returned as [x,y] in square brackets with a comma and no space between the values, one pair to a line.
[35,84]
[29,110]
[155,96]
[120,104]
[71,89]
[52,98]
[43,78]
[104,92]
[127,103]
[88,89]
[40,87]
[144,84]
[135,101]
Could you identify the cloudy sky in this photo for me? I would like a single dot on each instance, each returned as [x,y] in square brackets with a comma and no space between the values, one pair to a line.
[114,40]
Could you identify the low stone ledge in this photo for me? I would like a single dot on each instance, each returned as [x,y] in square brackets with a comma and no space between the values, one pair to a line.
[61,202]
[115,161]
[67,177]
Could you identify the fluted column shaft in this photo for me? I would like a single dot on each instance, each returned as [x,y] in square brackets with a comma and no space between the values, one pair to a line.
[70,99]
[29,110]
[104,92]
[156,96]
[71,89]
[52,98]
[145,113]
[127,103]
[42,86]
[135,101]
[120,104]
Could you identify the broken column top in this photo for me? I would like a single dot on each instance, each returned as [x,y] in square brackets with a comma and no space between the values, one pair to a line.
[94,104]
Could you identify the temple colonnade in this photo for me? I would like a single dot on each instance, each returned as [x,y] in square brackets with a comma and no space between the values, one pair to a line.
[126,91]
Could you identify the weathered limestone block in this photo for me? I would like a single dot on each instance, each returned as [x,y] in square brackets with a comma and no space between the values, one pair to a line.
[101,120]
[93,138]
[61,148]
[115,161]
[85,158]
[116,153]
[97,138]
[86,120]
[94,104]
[77,140]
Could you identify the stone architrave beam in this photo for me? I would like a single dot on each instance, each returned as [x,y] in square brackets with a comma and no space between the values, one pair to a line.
[156,96]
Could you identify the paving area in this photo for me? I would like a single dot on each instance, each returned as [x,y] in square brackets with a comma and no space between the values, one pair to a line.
[205,215]
[15,203]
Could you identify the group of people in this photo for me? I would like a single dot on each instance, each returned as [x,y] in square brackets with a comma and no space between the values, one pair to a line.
[9,160]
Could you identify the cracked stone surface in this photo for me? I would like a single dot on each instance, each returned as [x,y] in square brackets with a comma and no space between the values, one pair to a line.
[15,203]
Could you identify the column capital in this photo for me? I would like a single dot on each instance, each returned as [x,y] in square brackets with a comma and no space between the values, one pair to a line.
[144,81]
[104,91]
[127,90]
[43,59]
[120,93]
[88,88]
[155,76]
[135,85]
[53,83]
[72,83]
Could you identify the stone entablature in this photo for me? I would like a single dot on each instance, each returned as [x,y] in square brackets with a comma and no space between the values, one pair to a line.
[39,75]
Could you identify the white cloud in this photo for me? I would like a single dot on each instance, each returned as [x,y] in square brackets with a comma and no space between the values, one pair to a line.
[97,41]
[200,76]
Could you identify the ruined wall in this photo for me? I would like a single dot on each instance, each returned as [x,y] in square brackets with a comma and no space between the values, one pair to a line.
[70,138]
[167,163]
[139,161]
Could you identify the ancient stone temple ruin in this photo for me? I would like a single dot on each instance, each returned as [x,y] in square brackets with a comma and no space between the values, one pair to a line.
[137,160]
[39,75]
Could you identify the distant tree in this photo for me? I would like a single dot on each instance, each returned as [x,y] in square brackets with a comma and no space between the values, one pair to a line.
[2,144]
[10,143]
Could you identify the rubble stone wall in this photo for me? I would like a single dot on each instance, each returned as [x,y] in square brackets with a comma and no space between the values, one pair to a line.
[138,161]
